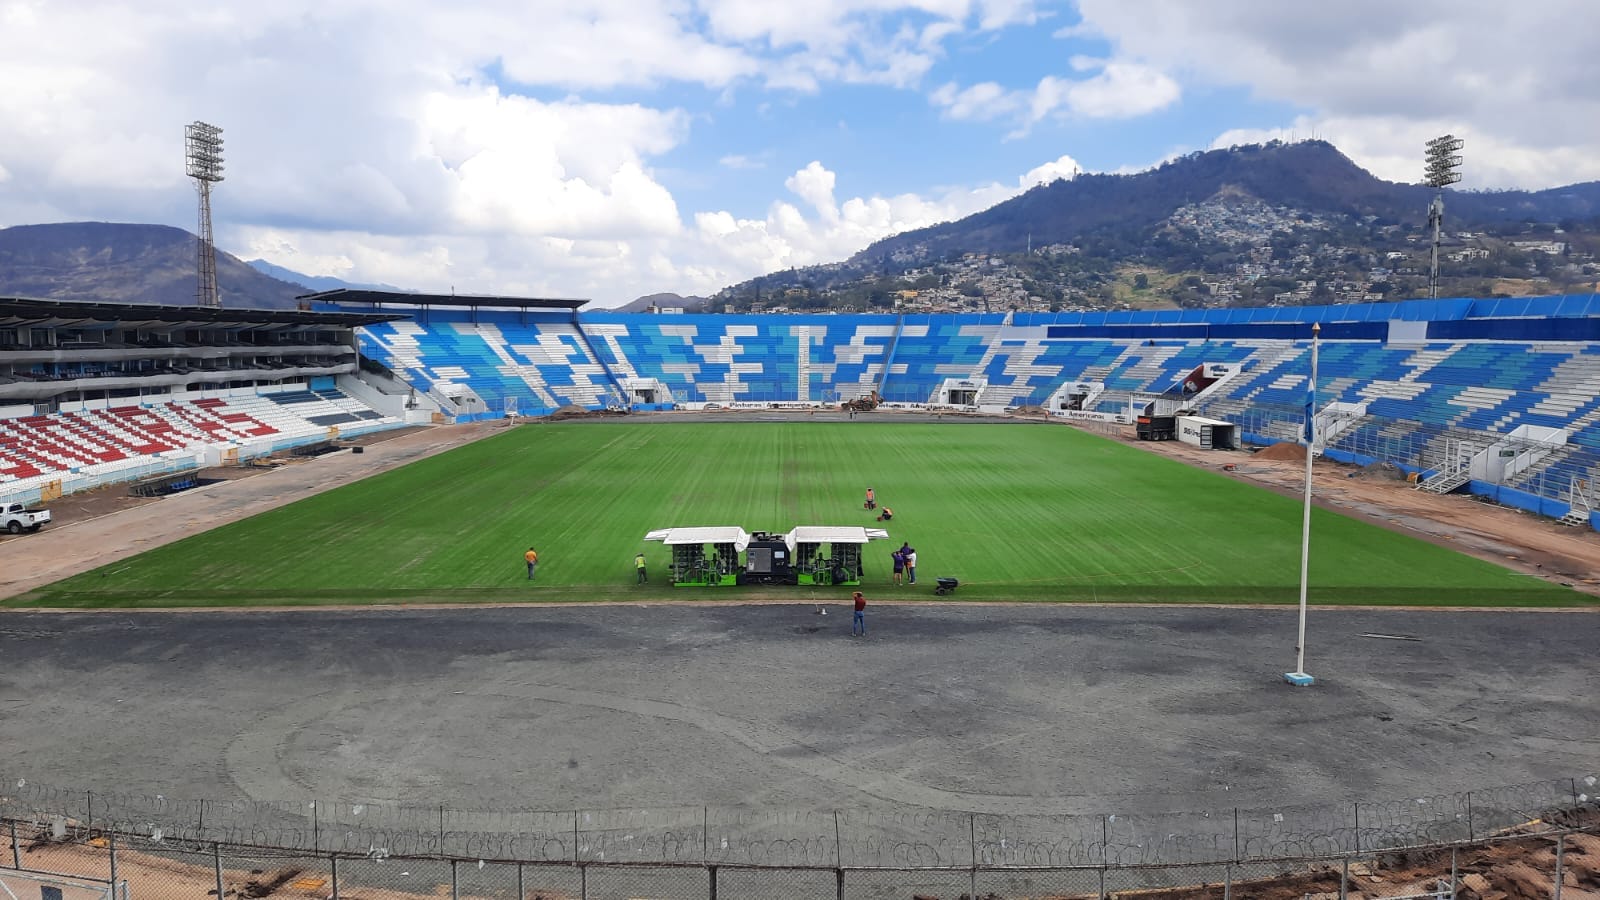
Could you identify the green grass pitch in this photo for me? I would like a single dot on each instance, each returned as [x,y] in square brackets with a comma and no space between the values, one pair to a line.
[1017,512]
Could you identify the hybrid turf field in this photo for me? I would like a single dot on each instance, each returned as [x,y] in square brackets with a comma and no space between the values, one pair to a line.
[1017,512]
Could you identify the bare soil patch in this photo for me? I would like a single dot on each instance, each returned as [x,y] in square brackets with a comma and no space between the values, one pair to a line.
[1518,540]
[102,526]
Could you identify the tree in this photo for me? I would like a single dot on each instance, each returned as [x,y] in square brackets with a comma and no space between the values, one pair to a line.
[1141,282]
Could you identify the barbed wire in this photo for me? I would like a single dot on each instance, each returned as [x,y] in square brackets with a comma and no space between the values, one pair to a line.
[858,838]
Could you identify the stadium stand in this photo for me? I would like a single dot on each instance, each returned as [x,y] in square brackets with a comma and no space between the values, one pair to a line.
[95,393]
[1443,388]
[1412,382]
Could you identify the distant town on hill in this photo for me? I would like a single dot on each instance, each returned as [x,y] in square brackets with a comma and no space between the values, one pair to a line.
[1260,225]
[1277,224]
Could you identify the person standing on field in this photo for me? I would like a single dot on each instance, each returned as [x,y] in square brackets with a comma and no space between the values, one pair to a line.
[899,565]
[858,625]
[911,566]
[872,499]
[638,563]
[532,559]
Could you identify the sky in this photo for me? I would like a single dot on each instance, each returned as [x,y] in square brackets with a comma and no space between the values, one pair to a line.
[607,149]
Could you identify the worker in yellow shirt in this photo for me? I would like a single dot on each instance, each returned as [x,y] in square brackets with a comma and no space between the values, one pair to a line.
[532,558]
[638,563]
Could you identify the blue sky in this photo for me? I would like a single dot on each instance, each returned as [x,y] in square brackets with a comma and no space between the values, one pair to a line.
[611,148]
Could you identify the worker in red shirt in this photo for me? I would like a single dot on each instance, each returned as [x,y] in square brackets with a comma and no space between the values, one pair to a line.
[859,624]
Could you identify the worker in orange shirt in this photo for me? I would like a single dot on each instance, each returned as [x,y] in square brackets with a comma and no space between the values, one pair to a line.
[532,558]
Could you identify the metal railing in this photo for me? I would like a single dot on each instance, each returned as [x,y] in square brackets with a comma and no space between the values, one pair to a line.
[1553,472]
[180,848]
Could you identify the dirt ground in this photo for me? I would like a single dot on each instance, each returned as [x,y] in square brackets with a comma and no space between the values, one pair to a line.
[1510,537]
[102,526]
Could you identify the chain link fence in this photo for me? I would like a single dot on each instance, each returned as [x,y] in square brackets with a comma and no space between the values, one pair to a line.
[160,847]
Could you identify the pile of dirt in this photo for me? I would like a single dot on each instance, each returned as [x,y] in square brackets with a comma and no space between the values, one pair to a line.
[1283,451]
[1380,471]
[1030,410]
[577,412]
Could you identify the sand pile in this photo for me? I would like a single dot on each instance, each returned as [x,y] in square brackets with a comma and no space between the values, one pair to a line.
[1284,451]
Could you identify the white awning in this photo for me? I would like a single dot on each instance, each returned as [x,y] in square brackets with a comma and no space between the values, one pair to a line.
[712,534]
[834,534]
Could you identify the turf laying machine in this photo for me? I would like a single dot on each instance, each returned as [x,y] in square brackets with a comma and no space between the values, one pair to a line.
[728,555]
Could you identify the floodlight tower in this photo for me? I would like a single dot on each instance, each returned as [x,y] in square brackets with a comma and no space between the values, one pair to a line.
[1442,164]
[203,149]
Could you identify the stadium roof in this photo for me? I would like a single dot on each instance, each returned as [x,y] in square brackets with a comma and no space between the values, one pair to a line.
[34,312]
[362,297]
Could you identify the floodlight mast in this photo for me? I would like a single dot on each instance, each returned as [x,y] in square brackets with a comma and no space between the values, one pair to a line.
[1442,164]
[203,151]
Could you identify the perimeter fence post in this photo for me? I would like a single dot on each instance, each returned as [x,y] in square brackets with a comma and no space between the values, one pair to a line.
[441,828]
[1344,878]
[521,894]
[333,872]
[1357,807]
[16,856]
[1105,855]
[216,865]
[838,859]
[455,884]
[1472,834]
[316,828]
[89,798]
[1575,800]
[1453,871]
[111,844]
[574,837]
[1227,882]
[705,834]
[1561,846]
[1236,834]
[972,841]
[712,871]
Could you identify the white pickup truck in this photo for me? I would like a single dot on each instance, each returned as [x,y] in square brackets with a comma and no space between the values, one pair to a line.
[18,518]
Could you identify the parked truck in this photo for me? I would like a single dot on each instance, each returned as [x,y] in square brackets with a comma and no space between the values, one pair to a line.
[1158,421]
[18,518]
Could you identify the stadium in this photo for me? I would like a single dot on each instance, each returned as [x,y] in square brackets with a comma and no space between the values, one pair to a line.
[1097,708]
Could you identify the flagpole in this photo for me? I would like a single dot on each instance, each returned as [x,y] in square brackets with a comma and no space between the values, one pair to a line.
[1299,676]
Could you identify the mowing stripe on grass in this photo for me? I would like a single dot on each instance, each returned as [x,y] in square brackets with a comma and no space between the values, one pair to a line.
[1016,512]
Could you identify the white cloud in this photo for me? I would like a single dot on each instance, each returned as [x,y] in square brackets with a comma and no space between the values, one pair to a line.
[1063,167]
[740,161]
[713,250]
[981,102]
[1118,89]
[1374,77]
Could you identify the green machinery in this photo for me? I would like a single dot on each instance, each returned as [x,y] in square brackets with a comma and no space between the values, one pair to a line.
[809,554]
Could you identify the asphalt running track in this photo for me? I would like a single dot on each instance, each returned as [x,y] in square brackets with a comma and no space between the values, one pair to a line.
[990,709]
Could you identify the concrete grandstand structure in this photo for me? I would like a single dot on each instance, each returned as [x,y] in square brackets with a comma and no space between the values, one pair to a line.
[97,393]
[1499,396]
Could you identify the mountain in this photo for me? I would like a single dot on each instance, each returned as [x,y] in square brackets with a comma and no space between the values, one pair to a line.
[1310,175]
[314,283]
[689,304]
[1268,223]
[117,263]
